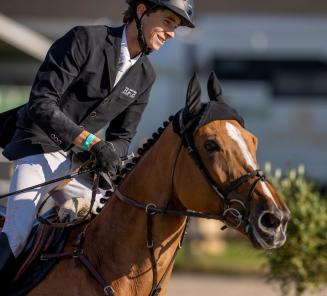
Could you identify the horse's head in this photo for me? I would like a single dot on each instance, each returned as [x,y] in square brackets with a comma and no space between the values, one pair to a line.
[218,173]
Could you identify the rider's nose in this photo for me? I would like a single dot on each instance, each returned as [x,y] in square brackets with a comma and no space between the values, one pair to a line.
[269,222]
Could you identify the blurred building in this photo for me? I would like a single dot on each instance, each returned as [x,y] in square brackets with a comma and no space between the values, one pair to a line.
[52,19]
[112,9]
[270,56]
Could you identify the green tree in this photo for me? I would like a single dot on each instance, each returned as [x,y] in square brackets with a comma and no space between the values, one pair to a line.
[301,264]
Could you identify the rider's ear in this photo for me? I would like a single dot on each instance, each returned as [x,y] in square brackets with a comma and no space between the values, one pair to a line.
[140,9]
[214,88]
[193,97]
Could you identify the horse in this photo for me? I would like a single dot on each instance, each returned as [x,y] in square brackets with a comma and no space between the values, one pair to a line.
[202,164]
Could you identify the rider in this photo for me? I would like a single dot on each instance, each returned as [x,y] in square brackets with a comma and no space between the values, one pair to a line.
[90,77]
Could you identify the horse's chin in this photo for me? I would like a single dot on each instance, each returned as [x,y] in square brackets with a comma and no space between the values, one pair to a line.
[263,241]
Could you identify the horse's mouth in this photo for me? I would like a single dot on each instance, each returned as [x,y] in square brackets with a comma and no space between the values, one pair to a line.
[265,241]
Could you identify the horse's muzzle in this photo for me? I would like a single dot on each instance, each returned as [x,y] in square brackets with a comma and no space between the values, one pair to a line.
[269,230]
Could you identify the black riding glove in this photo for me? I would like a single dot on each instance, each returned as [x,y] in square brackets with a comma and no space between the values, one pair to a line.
[107,160]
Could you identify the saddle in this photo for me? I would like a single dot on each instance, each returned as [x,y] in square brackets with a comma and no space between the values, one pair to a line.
[46,240]
[29,268]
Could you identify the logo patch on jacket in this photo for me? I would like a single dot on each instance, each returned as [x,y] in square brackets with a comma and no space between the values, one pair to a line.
[131,93]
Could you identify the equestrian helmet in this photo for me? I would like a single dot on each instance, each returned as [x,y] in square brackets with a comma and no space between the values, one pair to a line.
[182,8]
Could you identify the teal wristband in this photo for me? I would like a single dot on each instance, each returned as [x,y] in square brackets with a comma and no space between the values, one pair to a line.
[88,141]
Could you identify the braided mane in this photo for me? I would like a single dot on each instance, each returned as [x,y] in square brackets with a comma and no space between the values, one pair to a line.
[141,152]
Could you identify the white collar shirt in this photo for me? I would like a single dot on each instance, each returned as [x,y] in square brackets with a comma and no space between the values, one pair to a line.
[125,61]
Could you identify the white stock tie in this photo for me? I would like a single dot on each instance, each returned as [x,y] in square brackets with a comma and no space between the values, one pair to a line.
[123,65]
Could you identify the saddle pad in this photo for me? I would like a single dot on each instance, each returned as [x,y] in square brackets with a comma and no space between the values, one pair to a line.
[28,276]
[28,269]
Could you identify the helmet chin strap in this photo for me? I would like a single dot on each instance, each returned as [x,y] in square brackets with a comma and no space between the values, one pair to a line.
[140,34]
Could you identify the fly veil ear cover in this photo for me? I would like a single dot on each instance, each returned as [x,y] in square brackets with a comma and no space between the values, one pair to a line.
[214,89]
[193,104]
[217,109]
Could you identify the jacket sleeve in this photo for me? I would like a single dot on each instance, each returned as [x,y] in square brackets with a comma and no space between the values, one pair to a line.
[123,128]
[61,65]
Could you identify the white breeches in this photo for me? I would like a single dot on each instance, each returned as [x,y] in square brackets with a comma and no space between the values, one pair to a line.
[32,170]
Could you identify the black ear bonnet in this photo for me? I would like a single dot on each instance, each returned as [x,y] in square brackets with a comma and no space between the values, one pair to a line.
[219,111]
[197,114]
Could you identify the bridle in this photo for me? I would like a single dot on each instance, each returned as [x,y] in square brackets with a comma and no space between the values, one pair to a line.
[241,219]
[186,133]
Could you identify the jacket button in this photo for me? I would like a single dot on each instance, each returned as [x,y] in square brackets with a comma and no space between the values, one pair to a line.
[93,114]
[106,100]
[81,126]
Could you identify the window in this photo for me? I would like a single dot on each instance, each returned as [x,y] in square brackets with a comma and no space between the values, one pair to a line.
[294,79]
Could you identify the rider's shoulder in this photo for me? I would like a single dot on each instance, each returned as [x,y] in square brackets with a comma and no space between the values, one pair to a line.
[90,32]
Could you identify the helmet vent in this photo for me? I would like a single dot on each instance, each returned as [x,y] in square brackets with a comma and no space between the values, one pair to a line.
[189,9]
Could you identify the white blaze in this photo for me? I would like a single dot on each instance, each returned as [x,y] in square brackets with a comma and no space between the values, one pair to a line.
[236,135]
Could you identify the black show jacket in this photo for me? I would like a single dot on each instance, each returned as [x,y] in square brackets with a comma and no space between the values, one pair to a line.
[73,90]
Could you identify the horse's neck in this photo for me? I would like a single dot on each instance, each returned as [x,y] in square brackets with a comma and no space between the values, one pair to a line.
[151,180]
[120,231]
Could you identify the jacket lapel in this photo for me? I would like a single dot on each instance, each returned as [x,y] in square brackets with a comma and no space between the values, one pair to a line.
[112,52]
[131,77]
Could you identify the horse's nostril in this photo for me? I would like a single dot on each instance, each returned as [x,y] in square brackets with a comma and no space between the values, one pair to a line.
[270,221]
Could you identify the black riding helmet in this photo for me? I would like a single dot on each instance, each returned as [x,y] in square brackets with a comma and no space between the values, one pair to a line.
[182,8]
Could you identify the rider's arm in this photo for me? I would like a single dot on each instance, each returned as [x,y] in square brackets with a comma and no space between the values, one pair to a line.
[61,65]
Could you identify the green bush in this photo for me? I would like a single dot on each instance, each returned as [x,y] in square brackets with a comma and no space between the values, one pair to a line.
[13,96]
[301,264]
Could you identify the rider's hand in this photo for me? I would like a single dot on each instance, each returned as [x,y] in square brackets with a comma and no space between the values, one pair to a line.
[107,160]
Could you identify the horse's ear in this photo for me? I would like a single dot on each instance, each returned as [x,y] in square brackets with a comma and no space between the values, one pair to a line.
[214,88]
[193,97]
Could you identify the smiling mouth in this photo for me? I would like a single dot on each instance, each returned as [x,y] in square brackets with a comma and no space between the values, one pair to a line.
[161,40]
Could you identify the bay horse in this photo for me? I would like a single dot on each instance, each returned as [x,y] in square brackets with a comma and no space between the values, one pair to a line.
[203,164]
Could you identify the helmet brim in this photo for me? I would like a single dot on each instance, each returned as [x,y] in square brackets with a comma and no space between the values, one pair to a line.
[185,18]
[177,7]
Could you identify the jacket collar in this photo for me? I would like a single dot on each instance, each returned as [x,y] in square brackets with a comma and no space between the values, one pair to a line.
[112,52]
[114,37]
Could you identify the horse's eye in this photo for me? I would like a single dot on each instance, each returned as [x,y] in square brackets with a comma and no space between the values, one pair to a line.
[211,146]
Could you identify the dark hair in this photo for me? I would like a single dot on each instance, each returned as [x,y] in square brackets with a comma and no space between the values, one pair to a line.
[128,15]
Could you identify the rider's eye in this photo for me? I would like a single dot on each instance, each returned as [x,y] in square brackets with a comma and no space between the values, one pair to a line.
[211,146]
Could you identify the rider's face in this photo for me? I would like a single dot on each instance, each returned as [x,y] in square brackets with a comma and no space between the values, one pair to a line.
[159,26]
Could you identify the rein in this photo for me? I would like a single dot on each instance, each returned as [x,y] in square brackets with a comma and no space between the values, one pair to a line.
[87,166]
[151,209]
